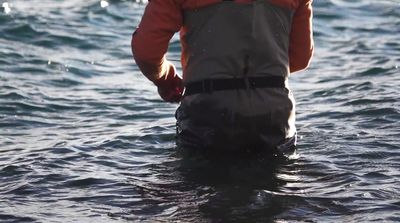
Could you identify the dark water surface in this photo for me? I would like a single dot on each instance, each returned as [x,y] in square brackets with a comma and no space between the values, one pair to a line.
[85,138]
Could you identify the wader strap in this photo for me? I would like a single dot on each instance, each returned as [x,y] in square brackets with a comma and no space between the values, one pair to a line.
[210,85]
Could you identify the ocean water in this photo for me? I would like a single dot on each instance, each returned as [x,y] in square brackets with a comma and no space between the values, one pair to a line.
[84,136]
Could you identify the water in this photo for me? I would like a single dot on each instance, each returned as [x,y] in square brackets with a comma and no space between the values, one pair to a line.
[85,138]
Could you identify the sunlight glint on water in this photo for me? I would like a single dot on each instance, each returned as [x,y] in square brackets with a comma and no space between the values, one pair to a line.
[84,136]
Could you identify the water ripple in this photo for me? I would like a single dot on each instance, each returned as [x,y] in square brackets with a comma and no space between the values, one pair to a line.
[83,131]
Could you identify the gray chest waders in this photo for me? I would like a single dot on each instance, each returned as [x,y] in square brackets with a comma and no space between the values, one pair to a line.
[237,95]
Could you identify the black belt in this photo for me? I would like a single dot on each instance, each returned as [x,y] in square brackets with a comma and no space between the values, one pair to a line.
[210,85]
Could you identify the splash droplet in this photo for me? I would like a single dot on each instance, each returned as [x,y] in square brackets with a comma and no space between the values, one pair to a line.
[103,3]
[6,7]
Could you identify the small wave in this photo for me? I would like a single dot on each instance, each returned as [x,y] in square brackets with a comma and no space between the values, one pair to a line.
[61,150]
[21,32]
[374,71]
[20,189]
[116,144]
[377,112]
[63,82]
[377,155]
[16,218]
[29,69]
[29,107]
[86,182]
[325,14]
[30,123]
[69,39]
[13,96]
[367,101]
[14,170]
[6,58]
[377,175]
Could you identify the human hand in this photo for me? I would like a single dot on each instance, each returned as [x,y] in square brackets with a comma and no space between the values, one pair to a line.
[170,86]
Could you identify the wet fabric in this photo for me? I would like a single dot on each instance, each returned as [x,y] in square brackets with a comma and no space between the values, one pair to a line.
[231,40]
[220,122]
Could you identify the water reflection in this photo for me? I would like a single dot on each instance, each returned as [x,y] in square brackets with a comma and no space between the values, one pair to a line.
[235,189]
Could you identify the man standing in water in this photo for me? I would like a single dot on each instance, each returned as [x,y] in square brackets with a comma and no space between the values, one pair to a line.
[237,56]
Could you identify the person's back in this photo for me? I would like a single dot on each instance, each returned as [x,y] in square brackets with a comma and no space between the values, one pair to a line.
[236,58]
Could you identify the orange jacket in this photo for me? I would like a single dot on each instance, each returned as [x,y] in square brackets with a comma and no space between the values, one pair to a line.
[163,18]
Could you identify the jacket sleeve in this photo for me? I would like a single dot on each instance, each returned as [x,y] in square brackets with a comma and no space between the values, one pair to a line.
[301,46]
[161,19]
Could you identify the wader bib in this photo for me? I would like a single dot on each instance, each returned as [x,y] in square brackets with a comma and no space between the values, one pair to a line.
[237,97]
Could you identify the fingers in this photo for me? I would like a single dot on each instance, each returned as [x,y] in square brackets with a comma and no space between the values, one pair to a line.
[172,95]
[170,87]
